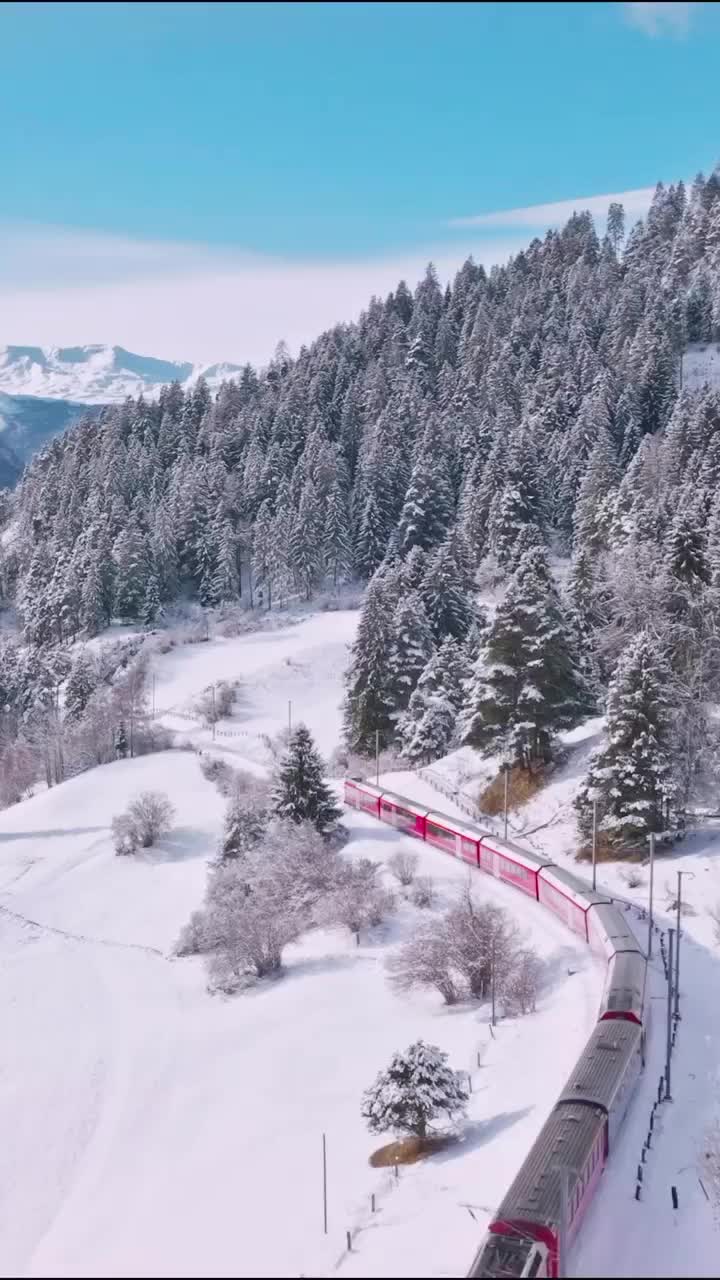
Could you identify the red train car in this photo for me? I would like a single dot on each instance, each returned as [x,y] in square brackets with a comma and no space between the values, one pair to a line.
[403,814]
[568,897]
[363,795]
[507,861]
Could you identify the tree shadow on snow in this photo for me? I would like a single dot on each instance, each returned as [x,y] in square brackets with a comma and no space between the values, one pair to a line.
[6,836]
[182,844]
[480,1132]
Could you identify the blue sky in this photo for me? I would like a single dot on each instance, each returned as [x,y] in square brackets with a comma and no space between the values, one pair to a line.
[145,141]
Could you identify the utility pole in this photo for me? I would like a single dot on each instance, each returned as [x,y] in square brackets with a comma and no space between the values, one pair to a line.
[652,880]
[492,979]
[324,1184]
[594,845]
[377,757]
[668,1047]
[680,875]
[506,768]
[214,714]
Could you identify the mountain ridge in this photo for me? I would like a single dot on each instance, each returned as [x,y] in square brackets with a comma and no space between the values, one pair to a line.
[97,373]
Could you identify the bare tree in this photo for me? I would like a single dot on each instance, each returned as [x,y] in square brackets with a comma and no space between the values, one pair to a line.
[403,865]
[425,961]
[423,892]
[520,986]
[711,1165]
[484,942]
[358,901]
[246,927]
[124,834]
[19,767]
[151,814]
[216,701]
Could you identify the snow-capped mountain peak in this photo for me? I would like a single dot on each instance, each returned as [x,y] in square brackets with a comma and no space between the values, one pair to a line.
[96,374]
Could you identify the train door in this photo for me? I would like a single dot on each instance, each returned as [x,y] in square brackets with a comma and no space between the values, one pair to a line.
[537,1263]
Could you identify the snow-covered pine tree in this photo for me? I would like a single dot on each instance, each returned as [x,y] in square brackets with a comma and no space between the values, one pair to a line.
[369,697]
[299,792]
[631,778]
[428,508]
[151,607]
[411,649]
[527,685]
[337,550]
[429,727]
[416,1088]
[371,542]
[81,684]
[447,603]
[244,828]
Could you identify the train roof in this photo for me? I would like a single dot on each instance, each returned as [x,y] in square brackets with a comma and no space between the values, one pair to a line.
[625,989]
[362,785]
[600,1069]
[403,802]
[465,829]
[573,887]
[609,919]
[509,849]
[563,1144]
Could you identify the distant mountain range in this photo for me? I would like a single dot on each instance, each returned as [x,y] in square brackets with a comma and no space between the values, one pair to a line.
[44,389]
[97,374]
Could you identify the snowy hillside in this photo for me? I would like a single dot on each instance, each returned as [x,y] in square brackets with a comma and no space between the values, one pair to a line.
[96,374]
[151,1129]
[26,423]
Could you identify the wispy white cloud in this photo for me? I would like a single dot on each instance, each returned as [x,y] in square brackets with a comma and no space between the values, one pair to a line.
[540,216]
[661,19]
[180,301]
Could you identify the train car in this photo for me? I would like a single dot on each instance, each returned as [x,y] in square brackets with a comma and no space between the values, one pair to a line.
[403,814]
[548,1197]
[624,991]
[606,1072]
[508,861]
[363,795]
[568,897]
[453,836]
[609,931]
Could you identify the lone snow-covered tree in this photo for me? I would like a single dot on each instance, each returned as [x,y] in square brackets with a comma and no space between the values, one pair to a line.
[417,1087]
[527,683]
[631,778]
[299,792]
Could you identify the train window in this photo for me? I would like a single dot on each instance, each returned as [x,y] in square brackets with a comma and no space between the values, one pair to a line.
[439,833]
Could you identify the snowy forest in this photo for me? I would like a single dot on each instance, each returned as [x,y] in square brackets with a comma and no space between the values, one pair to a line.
[523,429]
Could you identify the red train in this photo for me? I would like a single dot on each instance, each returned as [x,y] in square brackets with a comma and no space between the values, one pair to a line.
[545,1204]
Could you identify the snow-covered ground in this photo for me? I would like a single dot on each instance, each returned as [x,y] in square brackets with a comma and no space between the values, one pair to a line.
[148,1128]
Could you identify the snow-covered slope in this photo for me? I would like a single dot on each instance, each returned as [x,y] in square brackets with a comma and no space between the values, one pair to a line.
[96,374]
[26,423]
[149,1129]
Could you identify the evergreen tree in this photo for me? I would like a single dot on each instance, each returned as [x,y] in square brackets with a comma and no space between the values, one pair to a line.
[411,649]
[224,584]
[244,829]
[81,684]
[631,778]
[371,540]
[299,792]
[369,702]
[93,615]
[121,741]
[337,550]
[151,607]
[447,603]
[527,685]
[132,571]
[417,1087]
[427,509]
[429,727]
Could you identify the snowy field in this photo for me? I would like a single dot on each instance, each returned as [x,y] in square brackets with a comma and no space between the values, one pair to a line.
[148,1128]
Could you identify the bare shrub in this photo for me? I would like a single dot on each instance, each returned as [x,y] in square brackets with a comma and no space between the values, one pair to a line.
[523,784]
[632,877]
[425,961]
[520,987]
[403,865]
[19,768]
[358,901]
[151,814]
[124,834]
[423,892]
[216,701]
[193,939]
